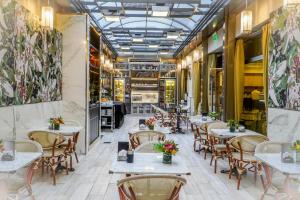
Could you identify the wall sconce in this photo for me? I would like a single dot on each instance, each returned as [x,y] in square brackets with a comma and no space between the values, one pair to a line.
[290,3]
[246,21]
[47,16]
[183,63]
[196,55]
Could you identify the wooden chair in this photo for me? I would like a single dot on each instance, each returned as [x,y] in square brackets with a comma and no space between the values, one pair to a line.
[243,158]
[140,137]
[55,153]
[275,179]
[203,139]
[146,148]
[75,138]
[218,147]
[23,178]
[150,187]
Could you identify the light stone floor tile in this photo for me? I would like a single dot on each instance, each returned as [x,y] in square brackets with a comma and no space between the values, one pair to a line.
[91,180]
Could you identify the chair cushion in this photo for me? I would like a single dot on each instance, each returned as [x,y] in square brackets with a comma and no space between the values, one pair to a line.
[57,152]
[220,147]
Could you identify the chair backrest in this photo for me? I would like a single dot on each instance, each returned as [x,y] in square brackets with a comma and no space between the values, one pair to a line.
[215,125]
[142,137]
[46,139]
[247,143]
[71,122]
[23,145]
[146,148]
[268,147]
[150,187]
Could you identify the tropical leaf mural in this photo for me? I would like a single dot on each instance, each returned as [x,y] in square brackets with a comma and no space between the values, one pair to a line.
[30,58]
[284,55]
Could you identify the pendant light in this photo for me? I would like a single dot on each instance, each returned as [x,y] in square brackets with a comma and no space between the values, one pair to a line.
[246,20]
[47,16]
[290,3]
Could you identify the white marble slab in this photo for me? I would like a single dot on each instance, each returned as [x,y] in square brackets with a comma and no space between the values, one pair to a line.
[199,120]
[64,130]
[225,133]
[150,163]
[274,160]
[22,159]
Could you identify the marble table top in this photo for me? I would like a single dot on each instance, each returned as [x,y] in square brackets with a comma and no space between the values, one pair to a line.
[22,159]
[225,133]
[199,120]
[274,160]
[150,163]
[66,130]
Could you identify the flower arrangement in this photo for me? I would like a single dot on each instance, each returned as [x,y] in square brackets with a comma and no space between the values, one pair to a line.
[213,115]
[150,123]
[56,122]
[168,148]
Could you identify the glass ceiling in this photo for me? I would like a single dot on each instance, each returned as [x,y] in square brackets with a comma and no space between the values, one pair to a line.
[134,27]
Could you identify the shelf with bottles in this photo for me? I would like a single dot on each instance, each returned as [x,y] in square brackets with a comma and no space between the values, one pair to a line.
[119,90]
[144,66]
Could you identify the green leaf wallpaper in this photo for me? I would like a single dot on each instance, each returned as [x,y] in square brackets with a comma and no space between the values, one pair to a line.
[284,63]
[30,58]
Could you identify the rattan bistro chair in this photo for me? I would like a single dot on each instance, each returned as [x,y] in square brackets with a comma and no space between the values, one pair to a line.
[218,148]
[146,148]
[21,181]
[150,187]
[243,158]
[141,137]
[54,154]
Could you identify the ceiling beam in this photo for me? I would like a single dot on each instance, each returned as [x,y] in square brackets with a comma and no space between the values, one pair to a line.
[117,29]
[177,15]
[148,1]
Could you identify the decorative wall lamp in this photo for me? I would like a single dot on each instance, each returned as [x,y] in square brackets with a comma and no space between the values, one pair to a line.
[246,20]
[47,16]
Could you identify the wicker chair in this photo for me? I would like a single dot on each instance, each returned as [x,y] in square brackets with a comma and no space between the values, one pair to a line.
[203,138]
[218,148]
[275,179]
[22,179]
[146,148]
[243,158]
[55,153]
[150,187]
[142,137]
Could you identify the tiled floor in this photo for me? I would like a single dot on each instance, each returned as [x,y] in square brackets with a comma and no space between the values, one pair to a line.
[91,180]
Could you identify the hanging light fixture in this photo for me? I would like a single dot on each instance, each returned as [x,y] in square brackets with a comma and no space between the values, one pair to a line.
[246,20]
[290,3]
[47,16]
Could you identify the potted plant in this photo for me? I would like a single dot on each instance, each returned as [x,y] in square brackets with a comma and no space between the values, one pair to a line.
[296,147]
[150,123]
[232,125]
[168,148]
[55,123]
[213,115]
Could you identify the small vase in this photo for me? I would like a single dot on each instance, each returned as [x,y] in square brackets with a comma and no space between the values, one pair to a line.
[298,156]
[167,158]
[232,129]
[56,126]
[151,128]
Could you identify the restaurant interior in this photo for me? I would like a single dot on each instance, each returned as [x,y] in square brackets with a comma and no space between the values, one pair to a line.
[149,99]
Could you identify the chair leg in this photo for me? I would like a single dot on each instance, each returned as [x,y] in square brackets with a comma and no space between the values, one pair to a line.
[230,168]
[67,167]
[211,160]
[76,157]
[239,181]
[194,145]
[43,166]
[71,161]
[205,152]
[54,175]
[216,160]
